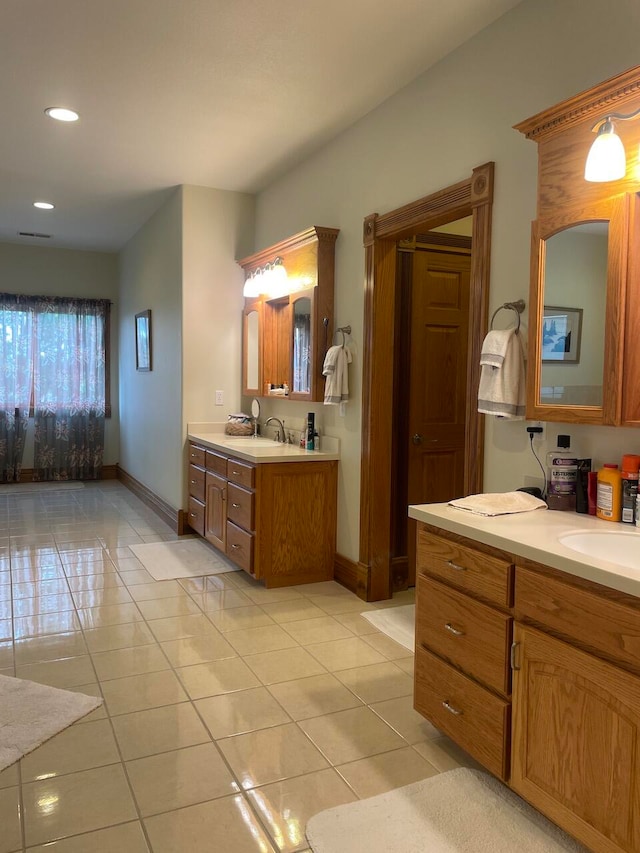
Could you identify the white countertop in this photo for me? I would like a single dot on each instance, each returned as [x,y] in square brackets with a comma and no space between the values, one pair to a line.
[242,448]
[535,535]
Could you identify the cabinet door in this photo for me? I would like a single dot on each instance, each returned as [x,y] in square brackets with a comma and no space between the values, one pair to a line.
[576,742]
[216,511]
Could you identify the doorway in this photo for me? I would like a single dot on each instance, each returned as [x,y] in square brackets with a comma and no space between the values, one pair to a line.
[430,383]
[382,422]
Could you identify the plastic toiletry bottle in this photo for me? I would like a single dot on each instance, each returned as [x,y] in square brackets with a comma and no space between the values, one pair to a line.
[311,426]
[582,485]
[316,440]
[609,499]
[630,467]
[563,468]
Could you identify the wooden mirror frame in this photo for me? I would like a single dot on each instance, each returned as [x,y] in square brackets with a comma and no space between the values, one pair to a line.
[381,234]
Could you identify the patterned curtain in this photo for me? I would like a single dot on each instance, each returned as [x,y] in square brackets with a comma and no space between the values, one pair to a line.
[16,374]
[69,388]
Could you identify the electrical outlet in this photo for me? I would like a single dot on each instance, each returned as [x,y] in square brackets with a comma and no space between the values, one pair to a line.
[219,398]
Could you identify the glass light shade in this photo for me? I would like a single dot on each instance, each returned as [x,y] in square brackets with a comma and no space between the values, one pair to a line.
[278,282]
[253,285]
[606,160]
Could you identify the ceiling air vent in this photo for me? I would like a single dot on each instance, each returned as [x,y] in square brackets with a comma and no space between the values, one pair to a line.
[34,234]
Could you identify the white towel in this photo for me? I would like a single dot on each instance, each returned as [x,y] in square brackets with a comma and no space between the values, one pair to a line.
[499,503]
[501,390]
[336,369]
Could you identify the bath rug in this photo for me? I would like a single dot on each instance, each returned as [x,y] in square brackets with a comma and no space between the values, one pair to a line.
[184,558]
[32,713]
[399,623]
[461,811]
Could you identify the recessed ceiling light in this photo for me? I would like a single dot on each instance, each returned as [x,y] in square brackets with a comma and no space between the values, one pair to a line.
[44,205]
[62,114]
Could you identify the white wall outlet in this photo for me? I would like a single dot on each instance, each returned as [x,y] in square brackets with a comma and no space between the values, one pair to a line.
[219,398]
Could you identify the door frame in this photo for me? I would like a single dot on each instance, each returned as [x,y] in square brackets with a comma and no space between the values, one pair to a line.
[474,197]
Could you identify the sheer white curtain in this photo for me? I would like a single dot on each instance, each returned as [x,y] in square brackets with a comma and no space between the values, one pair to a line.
[69,388]
[16,375]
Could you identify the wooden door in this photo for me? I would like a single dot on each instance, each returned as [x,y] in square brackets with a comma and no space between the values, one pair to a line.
[439,326]
[215,529]
[575,741]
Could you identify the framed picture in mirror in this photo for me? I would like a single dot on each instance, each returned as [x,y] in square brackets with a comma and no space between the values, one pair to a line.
[561,333]
[143,340]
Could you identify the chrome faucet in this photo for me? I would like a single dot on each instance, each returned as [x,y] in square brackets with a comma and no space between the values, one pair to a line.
[280,433]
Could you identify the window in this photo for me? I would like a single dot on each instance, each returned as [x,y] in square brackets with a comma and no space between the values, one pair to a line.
[57,350]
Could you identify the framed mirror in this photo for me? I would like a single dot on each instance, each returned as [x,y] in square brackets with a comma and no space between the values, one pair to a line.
[252,348]
[302,343]
[577,299]
[572,330]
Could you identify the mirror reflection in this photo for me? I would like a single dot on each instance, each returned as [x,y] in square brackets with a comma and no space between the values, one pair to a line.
[253,350]
[302,345]
[573,322]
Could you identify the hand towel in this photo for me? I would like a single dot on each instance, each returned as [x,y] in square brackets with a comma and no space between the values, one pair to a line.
[499,503]
[501,391]
[336,370]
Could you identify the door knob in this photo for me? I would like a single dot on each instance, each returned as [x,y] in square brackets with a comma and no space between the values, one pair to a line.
[417,438]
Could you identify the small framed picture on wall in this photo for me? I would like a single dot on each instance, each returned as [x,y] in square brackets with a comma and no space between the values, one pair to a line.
[143,340]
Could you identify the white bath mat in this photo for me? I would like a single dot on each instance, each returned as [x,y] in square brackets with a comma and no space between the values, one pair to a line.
[399,623]
[186,558]
[31,713]
[48,486]
[462,811]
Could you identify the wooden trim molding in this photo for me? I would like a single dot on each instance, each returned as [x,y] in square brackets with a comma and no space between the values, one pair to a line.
[351,575]
[380,236]
[175,518]
[596,102]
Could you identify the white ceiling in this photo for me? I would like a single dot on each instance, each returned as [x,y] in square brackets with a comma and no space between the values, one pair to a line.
[219,93]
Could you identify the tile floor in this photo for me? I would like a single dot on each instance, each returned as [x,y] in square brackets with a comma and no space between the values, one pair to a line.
[232,713]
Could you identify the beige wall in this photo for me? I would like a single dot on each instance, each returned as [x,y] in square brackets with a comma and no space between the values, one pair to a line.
[151,403]
[217,228]
[429,135]
[64,272]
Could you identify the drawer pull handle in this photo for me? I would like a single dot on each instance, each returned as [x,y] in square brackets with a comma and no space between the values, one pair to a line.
[236,506]
[455,711]
[514,666]
[235,472]
[235,545]
[456,566]
[455,631]
[192,514]
[193,482]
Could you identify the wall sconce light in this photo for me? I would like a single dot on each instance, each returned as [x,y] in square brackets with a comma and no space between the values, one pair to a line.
[270,280]
[606,160]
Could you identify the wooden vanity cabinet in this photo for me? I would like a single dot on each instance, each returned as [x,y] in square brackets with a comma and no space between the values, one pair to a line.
[567,738]
[277,521]
[463,638]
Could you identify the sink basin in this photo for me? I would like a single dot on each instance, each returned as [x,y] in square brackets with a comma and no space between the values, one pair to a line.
[249,442]
[615,546]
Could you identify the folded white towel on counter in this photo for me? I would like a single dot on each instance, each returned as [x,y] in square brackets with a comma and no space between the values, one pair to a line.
[499,503]
[501,391]
[336,369]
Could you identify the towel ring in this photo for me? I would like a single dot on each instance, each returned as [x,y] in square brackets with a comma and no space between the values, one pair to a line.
[517,306]
[346,330]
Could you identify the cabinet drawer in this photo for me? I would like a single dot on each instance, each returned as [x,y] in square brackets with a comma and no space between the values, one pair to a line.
[491,578]
[240,473]
[196,454]
[600,624]
[240,504]
[471,635]
[196,516]
[473,717]
[196,482]
[216,463]
[240,547]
